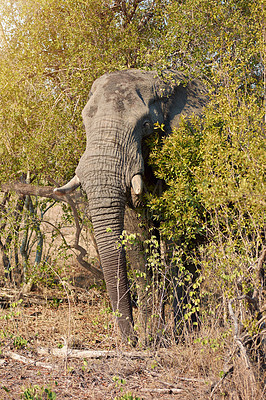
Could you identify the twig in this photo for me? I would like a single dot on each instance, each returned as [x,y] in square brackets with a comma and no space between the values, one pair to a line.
[163,391]
[230,370]
[181,378]
[27,189]
[243,351]
[259,280]
[47,191]
[232,315]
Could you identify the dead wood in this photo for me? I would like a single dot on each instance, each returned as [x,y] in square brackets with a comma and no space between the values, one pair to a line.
[178,378]
[163,391]
[31,190]
[73,353]
[26,360]
[11,295]
[17,215]
[215,385]
[82,252]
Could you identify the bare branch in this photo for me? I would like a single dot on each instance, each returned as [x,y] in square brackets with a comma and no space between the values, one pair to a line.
[262,259]
[240,344]
[26,189]
[145,20]
[3,209]
[16,215]
[82,252]
[163,391]
[47,191]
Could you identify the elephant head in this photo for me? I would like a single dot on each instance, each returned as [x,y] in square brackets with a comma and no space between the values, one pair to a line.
[122,109]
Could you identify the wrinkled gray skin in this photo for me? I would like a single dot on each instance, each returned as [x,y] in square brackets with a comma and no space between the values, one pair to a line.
[122,109]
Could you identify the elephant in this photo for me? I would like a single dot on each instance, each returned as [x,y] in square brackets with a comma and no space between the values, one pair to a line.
[122,109]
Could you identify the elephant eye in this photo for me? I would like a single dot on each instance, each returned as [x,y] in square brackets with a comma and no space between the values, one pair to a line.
[147,127]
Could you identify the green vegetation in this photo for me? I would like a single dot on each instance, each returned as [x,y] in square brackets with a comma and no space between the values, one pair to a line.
[214,205]
[50,54]
[119,383]
[38,393]
[127,396]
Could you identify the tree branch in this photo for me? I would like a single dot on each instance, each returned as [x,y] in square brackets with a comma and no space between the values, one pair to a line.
[47,191]
[31,190]
[240,344]
[82,252]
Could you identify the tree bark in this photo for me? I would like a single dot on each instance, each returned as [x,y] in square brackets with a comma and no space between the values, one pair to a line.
[27,189]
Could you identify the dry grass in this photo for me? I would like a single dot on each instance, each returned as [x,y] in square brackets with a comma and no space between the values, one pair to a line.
[81,318]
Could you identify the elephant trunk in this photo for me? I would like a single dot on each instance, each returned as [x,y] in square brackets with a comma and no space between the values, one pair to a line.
[112,158]
[108,226]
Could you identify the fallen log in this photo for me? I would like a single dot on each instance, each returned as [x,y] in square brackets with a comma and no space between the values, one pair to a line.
[26,360]
[74,353]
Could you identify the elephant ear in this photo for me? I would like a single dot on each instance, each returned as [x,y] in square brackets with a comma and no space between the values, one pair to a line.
[181,97]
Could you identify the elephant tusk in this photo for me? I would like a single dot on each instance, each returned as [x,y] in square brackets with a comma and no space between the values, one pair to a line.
[69,187]
[137,184]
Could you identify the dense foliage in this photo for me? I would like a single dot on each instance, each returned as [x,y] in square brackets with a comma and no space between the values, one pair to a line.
[214,206]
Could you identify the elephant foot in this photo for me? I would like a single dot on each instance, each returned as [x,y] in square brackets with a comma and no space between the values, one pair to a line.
[127,330]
